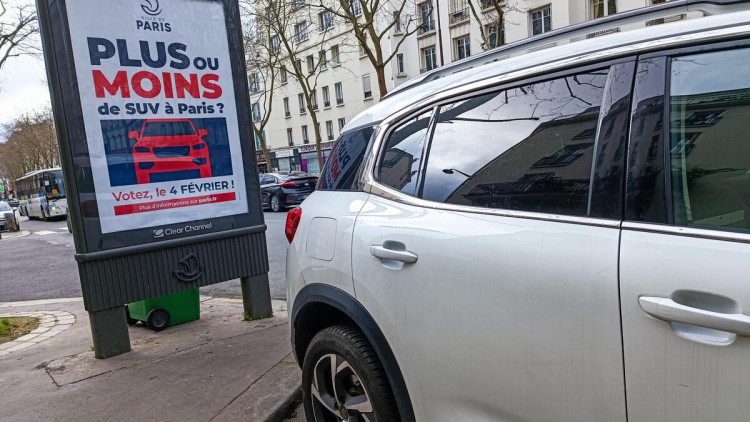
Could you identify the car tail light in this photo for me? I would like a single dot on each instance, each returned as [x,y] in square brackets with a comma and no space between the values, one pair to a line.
[288,184]
[292,222]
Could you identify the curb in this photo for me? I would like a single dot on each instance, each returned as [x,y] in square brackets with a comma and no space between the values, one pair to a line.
[281,411]
[23,233]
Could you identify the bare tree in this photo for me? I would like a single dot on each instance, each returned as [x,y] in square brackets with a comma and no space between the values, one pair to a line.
[31,145]
[18,24]
[490,17]
[373,23]
[287,27]
[264,68]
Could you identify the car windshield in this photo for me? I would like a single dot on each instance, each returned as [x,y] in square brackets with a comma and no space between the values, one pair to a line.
[168,129]
[5,207]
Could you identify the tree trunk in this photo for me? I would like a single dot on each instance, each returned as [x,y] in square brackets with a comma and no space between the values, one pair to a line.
[380,72]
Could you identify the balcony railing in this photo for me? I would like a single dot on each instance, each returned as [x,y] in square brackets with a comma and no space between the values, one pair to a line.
[458,16]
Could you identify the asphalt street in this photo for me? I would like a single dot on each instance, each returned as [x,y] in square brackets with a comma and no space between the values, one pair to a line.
[41,265]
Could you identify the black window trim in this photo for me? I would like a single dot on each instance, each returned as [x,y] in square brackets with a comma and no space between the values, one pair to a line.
[667,225]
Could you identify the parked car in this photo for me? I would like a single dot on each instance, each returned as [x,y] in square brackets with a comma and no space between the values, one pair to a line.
[282,189]
[529,239]
[170,149]
[8,218]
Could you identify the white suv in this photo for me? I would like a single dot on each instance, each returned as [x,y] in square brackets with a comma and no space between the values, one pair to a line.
[559,235]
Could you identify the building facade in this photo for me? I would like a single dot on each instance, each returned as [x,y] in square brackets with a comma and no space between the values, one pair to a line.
[420,36]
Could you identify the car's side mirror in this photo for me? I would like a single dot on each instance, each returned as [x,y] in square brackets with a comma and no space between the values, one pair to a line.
[202,132]
[133,134]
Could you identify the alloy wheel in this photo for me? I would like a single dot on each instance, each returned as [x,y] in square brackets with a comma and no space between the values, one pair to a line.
[338,392]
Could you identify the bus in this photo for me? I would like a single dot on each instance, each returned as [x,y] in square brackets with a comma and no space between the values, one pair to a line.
[42,194]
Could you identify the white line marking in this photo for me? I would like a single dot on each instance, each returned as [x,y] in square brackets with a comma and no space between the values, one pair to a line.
[63,228]
[44,232]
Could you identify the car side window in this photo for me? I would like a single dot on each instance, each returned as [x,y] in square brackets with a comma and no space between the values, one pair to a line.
[343,167]
[401,161]
[264,180]
[527,148]
[709,99]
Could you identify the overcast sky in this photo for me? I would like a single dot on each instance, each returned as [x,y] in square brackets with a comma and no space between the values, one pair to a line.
[22,87]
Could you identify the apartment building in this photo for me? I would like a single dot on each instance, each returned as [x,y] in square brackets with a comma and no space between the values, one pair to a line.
[428,34]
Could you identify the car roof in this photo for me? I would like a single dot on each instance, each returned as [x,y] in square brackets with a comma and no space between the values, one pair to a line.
[578,52]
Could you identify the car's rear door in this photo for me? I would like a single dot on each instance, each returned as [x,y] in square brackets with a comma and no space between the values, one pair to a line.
[685,253]
[488,257]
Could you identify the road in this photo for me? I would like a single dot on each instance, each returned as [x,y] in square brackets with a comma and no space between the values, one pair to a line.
[41,265]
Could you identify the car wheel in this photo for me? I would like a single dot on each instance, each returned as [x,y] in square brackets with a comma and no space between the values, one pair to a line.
[342,379]
[157,319]
[275,204]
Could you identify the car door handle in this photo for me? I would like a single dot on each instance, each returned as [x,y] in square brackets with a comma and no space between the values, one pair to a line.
[668,310]
[395,251]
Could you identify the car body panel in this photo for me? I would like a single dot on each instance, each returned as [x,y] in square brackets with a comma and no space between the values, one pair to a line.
[670,377]
[499,318]
[342,207]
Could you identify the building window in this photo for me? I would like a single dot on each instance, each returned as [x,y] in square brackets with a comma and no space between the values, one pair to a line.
[290,137]
[400,65]
[325,20]
[323,59]
[287,113]
[301,99]
[459,11]
[335,55]
[541,21]
[310,64]
[366,88]
[429,59]
[300,30]
[305,138]
[283,75]
[339,93]
[254,82]
[426,19]
[495,38]
[299,4]
[398,26]
[275,43]
[602,8]
[355,7]
[326,97]
[256,112]
[314,98]
[342,123]
[462,47]
[329,129]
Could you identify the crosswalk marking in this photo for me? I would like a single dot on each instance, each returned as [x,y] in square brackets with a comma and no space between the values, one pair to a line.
[45,232]
[63,228]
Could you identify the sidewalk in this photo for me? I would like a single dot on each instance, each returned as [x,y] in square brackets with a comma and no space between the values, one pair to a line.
[220,368]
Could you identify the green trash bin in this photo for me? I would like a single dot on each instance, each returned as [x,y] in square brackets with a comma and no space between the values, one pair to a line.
[165,311]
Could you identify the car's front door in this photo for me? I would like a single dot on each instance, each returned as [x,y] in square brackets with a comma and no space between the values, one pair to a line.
[685,263]
[489,258]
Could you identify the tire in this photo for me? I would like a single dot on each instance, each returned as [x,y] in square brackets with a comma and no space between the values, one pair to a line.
[276,204]
[157,319]
[360,379]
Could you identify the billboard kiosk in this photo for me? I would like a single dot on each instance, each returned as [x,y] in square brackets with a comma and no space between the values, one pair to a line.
[151,109]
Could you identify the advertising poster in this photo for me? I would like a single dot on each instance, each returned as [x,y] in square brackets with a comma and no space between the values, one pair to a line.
[159,111]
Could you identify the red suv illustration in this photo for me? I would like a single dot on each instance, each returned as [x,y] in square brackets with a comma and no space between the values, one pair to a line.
[170,149]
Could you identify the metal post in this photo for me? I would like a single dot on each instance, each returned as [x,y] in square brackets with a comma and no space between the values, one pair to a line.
[109,329]
[256,297]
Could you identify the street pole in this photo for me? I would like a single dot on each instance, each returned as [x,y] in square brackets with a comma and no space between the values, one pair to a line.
[256,296]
